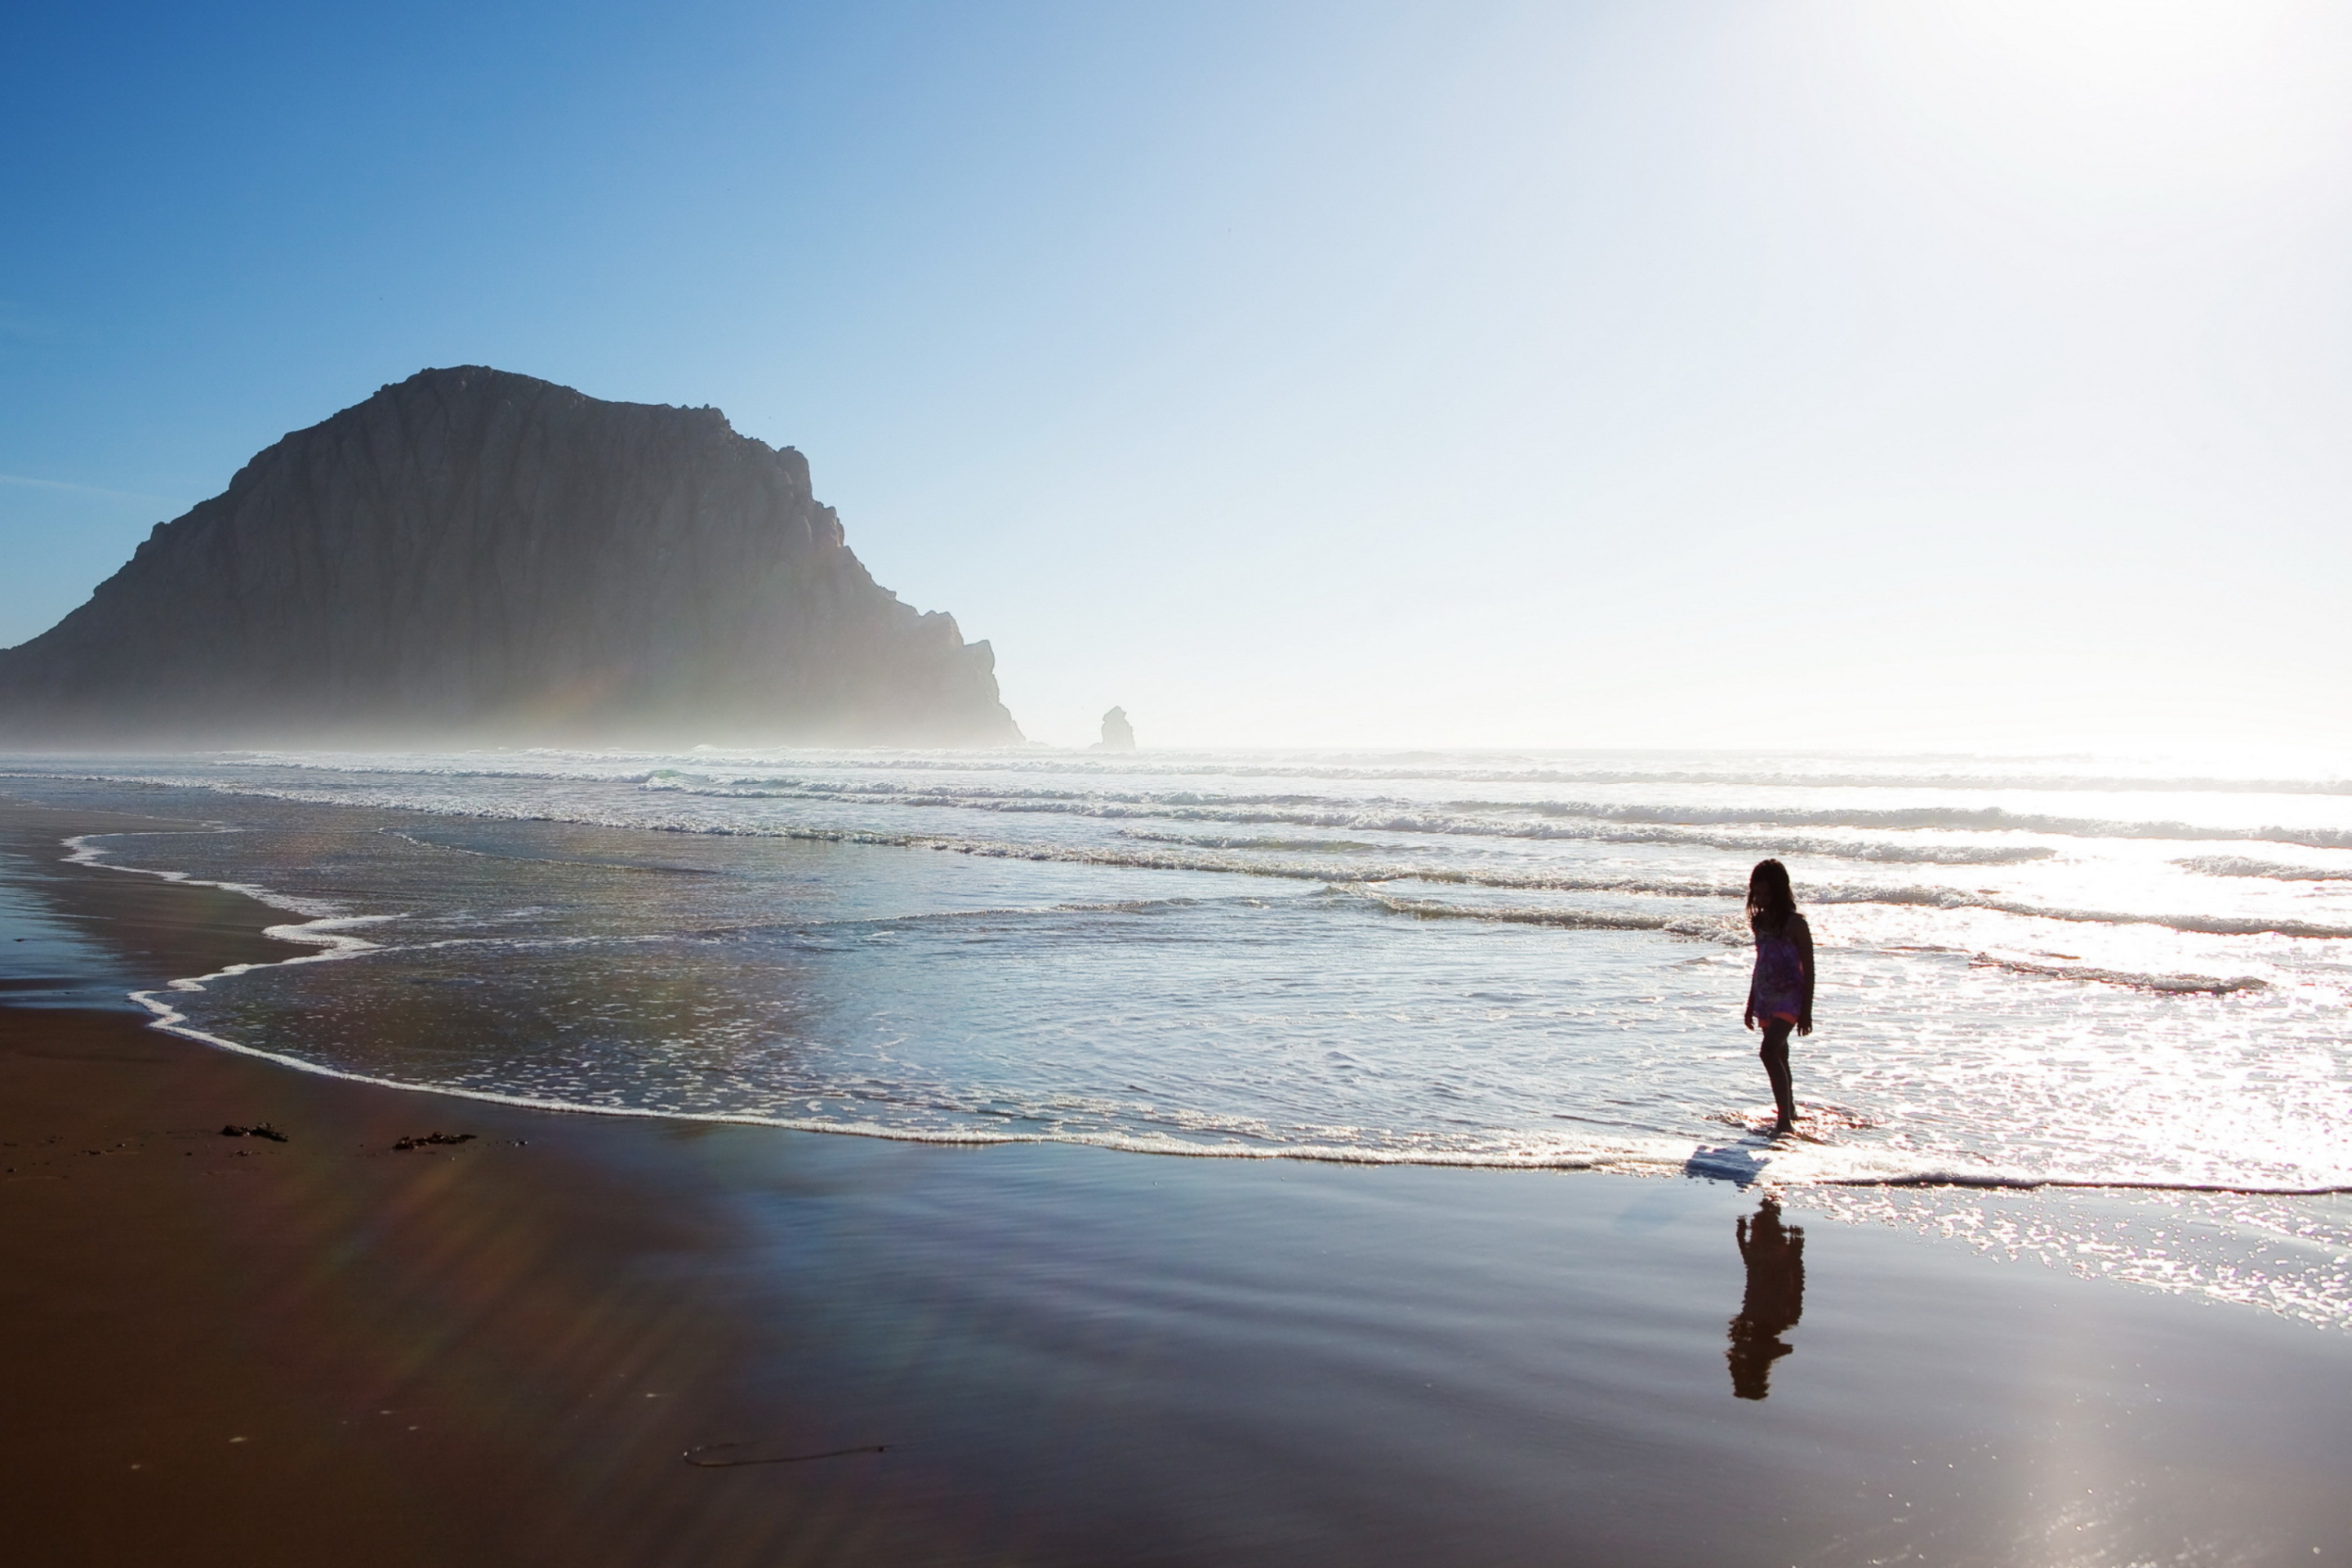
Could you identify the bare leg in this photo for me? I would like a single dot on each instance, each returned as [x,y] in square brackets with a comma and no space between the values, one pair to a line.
[1775,1052]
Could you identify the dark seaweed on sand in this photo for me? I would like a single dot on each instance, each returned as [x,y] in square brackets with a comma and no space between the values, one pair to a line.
[431,1138]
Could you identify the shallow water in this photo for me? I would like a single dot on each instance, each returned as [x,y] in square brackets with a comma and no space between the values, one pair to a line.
[2037,971]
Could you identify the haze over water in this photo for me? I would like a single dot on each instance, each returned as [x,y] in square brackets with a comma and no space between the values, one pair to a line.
[2032,970]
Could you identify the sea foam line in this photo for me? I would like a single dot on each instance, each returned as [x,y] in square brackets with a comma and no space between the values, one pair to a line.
[324,927]
[1649,1157]
[2023,1183]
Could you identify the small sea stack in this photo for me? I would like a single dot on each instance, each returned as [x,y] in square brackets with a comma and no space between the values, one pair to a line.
[1117,734]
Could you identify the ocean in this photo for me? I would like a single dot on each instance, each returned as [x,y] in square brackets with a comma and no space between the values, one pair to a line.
[2093,1011]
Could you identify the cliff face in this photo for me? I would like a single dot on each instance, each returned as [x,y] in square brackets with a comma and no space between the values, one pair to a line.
[474,556]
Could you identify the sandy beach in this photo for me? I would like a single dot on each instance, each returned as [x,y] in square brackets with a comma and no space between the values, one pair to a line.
[585,1339]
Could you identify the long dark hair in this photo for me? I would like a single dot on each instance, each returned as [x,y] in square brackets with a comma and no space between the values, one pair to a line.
[1770,899]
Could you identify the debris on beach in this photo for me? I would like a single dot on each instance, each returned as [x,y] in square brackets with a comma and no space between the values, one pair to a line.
[260,1130]
[431,1138]
[729,1455]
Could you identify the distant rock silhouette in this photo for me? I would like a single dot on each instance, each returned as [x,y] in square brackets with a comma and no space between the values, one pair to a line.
[482,557]
[1118,735]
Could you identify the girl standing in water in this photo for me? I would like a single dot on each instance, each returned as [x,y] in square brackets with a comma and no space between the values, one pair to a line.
[1781,995]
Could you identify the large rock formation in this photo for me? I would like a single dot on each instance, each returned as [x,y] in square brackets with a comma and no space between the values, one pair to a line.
[478,557]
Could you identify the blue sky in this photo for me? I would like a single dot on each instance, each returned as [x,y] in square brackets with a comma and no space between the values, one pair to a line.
[1786,375]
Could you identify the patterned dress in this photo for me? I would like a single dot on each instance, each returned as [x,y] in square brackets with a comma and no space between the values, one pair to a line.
[1777,991]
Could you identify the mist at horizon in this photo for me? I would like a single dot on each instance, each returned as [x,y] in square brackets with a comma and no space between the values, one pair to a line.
[1817,378]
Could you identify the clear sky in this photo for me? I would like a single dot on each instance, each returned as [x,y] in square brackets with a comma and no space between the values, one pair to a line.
[1762,375]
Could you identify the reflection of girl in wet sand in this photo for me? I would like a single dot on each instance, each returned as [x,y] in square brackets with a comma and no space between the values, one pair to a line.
[1781,995]
[1775,1256]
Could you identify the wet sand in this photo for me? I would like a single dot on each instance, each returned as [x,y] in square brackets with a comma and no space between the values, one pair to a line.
[228,1349]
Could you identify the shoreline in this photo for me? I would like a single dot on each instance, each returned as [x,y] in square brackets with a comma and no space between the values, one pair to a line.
[1018,1353]
[1746,1163]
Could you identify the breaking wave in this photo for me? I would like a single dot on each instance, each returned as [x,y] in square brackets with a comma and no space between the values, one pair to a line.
[1506,818]
[2272,871]
[2169,984]
[1370,767]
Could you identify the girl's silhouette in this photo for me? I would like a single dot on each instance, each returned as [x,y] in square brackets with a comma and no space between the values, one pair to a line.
[1781,995]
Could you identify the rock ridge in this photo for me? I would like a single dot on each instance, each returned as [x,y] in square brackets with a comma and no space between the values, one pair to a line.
[474,556]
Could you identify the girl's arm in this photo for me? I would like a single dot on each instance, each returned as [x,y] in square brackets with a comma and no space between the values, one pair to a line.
[1805,954]
[1747,1013]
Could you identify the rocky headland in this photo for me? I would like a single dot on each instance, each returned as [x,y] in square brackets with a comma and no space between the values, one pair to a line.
[478,557]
